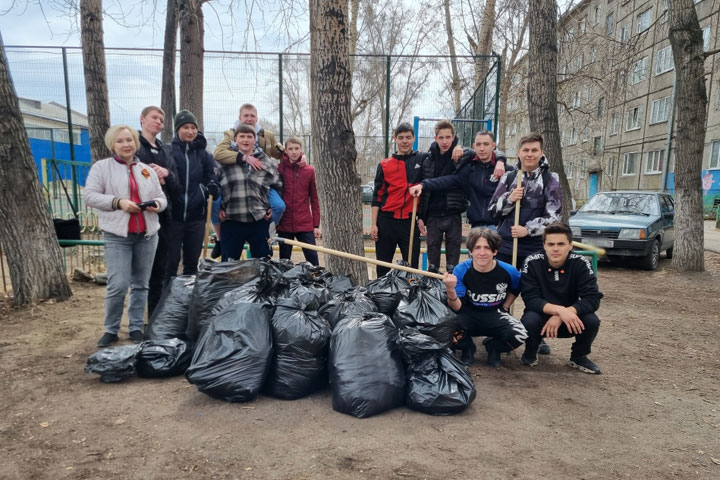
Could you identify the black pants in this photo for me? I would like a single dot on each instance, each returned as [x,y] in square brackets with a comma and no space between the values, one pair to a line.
[534,323]
[394,233]
[157,276]
[235,234]
[506,332]
[184,238]
[305,237]
[451,227]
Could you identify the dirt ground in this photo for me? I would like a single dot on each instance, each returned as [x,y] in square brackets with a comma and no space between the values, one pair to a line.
[653,413]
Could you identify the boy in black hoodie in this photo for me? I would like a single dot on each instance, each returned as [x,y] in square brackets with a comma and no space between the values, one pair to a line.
[561,297]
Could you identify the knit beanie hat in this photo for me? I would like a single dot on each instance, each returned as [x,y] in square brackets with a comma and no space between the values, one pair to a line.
[183,117]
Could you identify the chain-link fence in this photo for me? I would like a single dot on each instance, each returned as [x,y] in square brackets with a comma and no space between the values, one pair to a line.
[387,89]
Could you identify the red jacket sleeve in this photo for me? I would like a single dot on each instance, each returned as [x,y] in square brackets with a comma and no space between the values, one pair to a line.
[314,201]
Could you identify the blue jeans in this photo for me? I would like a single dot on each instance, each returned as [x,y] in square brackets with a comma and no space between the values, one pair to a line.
[129,262]
[278,206]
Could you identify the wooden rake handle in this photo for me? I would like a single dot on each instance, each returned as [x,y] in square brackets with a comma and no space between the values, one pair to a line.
[350,256]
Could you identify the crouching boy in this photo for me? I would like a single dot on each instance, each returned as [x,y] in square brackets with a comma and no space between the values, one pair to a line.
[481,290]
[561,297]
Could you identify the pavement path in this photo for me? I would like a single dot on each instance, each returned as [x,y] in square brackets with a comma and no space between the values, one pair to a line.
[712,237]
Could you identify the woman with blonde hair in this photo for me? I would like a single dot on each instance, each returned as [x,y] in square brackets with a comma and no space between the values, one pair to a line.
[128,197]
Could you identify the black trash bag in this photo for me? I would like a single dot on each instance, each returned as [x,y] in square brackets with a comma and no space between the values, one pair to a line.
[387,291]
[170,317]
[300,342]
[365,369]
[312,295]
[428,315]
[433,286]
[212,281]
[164,358]
[350,302]
[437,382]
[338,283]
[115,363]
[255,291]
[234,353]
[412,278]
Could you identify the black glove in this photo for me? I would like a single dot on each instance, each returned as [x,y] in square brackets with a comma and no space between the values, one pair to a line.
[213,189]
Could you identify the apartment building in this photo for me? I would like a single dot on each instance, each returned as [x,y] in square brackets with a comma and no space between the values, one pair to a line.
[616,81]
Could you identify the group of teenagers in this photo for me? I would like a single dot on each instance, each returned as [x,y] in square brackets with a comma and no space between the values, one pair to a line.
[559,288]
[152,201]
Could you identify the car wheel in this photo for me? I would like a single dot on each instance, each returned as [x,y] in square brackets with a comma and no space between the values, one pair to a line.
[669,252]
[651,260]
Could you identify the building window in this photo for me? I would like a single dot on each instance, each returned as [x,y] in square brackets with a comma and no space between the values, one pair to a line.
[597,146]
[643,20]
[706,39]
[610,23]
[624,33]
[593,54]
[634,118]
[654,162]
[715,155]
[664,14]
[601,107]
[572,137]
[596,15]
[615,124]
[589,93]
[569,170]
[639,71]
[576,100]
[659,110]
[39,133]
[629,160]
[581,169]
[664,60]
[570,34]
[582,26]
[586,134]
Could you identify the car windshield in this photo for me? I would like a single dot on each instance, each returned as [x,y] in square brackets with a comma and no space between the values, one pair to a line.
[622,203]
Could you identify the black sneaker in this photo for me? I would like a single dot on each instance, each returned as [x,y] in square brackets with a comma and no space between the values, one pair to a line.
[584,364]
[107,339]
[544,348]
[528,360]
[216,251]
[136,336]
[493,356]
[468,349]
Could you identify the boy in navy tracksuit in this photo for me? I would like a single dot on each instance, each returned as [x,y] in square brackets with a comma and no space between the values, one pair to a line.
[561,297]
[481,290]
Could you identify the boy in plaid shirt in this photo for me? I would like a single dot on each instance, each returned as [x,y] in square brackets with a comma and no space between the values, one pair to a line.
[245,210]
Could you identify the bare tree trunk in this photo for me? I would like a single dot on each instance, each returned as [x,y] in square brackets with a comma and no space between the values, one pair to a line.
[505,76]
[96,91]
[26,231]
[686,39]
[167,94]
[455,85]
[485,42]
[354,11]
[333,136]
[542,88]
[192,47]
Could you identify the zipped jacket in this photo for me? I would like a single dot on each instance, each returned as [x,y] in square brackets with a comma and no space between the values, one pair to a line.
[197,177]
[393,178]
[302,206]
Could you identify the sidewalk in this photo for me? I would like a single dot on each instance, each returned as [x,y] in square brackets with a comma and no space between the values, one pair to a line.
[712,237]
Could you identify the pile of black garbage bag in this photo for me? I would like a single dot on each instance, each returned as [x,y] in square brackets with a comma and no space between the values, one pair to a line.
[261,326]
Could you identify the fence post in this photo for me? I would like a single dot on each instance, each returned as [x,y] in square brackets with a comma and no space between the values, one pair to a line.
[67,101]
[387,107]
[498,62]
[280,85]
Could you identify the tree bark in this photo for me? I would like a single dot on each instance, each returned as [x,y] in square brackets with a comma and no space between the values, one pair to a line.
[167,94]
[192,48]
[686,39]
[96,90]
[333,136]
[455,84]
[542,88]
[26,231]
[485,42]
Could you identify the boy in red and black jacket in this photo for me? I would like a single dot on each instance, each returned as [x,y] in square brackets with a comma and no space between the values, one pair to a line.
[392,203]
